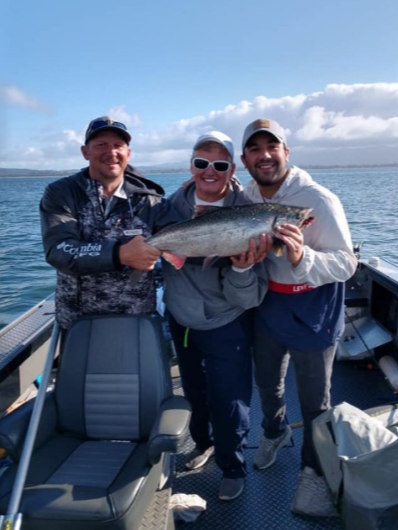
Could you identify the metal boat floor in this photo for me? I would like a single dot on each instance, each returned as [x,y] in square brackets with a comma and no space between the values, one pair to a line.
[266,499]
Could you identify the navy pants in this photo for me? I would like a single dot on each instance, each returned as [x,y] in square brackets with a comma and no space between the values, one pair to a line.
[216,374]
[313,371]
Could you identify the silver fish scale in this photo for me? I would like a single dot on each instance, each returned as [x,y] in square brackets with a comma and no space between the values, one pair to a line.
[225,231]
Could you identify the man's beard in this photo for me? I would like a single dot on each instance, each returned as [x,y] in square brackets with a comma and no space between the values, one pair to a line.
[278,175]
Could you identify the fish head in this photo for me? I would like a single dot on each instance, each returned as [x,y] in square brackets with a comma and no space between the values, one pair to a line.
[292,215]
[295,216]
[307,221]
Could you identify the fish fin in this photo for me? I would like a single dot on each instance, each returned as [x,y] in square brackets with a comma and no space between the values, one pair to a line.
[203,209]
[277,247]
[176,261]
[209,261]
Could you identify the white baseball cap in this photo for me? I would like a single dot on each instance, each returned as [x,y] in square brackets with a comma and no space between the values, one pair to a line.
[218,137]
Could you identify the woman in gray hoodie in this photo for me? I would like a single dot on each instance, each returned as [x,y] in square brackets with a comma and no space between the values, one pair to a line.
[211,322]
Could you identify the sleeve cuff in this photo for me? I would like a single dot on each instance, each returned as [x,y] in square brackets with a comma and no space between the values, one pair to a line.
[116,256]
[237,269]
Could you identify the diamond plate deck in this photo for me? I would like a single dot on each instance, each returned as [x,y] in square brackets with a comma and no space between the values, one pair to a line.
[158,516]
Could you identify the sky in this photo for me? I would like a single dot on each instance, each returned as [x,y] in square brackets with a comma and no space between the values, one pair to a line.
[174,69]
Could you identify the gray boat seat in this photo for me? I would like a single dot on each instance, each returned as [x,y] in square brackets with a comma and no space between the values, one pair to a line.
[104,431]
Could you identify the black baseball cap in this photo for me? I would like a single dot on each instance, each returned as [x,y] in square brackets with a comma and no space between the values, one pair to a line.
[105,123]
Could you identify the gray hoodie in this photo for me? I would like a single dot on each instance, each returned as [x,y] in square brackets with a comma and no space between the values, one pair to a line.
[207,299]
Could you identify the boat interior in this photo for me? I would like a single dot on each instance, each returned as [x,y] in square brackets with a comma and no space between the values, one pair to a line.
[365,376]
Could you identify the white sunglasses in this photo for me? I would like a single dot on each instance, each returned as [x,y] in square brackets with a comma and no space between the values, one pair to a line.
[221,166]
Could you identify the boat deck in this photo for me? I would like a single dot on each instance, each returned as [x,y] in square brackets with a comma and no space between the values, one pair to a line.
[268,493]
[372,328]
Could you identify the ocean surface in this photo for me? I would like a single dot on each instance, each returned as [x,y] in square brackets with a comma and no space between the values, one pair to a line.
[369,196]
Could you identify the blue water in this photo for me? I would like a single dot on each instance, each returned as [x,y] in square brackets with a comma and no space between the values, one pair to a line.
[369,197]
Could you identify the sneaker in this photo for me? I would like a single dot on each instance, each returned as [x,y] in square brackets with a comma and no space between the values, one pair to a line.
[268,449]
[230,488]
[198,458]
[313,497]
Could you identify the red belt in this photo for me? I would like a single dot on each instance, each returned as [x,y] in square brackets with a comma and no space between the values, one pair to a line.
[289,288]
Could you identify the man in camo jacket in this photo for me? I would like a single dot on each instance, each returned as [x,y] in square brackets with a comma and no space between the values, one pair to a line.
[94,225]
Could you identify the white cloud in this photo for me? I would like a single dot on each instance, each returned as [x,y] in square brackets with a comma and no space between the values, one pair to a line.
[14,96]
[72,136]
[320,126]
[342,124]
[120,114]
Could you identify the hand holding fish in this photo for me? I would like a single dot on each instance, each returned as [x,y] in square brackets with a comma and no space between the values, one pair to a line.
[265,245]
[255,254]
[138,255]
[293,238]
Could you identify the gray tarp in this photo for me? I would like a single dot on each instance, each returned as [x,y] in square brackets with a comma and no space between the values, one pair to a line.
[358,452]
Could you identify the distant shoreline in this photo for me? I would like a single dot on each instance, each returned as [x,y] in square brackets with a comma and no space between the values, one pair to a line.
[23,173]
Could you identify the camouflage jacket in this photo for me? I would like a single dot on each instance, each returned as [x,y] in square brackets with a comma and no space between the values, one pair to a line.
[80,238]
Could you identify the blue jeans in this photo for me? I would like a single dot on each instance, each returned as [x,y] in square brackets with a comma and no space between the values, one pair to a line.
[313,371]
[216,375]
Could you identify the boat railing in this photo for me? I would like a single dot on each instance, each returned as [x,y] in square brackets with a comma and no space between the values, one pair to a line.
[23,345]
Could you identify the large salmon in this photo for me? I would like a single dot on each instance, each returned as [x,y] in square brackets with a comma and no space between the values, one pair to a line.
[225,231]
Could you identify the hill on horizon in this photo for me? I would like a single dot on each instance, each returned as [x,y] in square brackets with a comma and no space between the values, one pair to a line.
[161,168]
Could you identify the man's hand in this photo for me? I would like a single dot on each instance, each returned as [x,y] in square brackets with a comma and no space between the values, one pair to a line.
[293,238]
[255,254]
[138,255]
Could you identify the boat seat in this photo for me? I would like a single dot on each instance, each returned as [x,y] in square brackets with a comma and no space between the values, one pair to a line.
[104,432]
